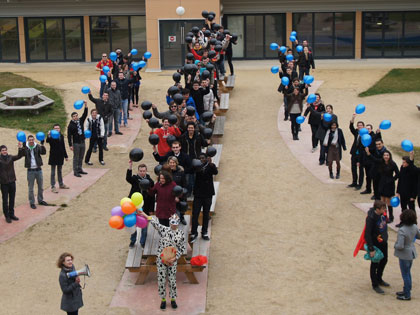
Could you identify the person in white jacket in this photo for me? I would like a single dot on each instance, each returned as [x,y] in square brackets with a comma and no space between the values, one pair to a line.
[95,125]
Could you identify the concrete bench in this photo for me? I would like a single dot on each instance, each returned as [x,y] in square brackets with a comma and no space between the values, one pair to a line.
[224,102]
[230,84]
[219,126]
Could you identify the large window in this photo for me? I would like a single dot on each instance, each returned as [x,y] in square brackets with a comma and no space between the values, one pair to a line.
[111,32]
[9,40]
[255,33]
[391,34]
[54,39]
[330,35]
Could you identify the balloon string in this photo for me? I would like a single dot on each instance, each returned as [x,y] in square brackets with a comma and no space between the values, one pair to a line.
[84,281]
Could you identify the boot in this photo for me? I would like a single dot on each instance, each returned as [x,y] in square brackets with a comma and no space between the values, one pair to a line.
[337,176]
[390,214]
[331,175]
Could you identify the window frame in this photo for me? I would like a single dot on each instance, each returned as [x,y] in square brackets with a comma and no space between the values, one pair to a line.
[17,38]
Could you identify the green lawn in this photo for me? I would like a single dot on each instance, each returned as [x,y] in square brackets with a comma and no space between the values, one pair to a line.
[25,120]
[399,153]
[396,81]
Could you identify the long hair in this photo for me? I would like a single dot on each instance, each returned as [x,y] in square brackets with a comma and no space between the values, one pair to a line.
[60,260]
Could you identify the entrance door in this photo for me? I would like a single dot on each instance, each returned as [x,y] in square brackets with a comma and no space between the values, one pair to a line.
[172,41]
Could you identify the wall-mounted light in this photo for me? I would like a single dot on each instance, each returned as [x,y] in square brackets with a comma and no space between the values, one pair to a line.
[180,11]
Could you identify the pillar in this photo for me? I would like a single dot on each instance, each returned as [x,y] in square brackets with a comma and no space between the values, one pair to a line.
[358,36]
[165,9]
[86,31]
[22,43]
[289,27]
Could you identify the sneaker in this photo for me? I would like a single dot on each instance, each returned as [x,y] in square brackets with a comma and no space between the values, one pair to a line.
[403,298]
[43,203]
[88,163]
[14,218]
[120,133]
[205,237]
[8,220]
[352,185]
[131,244]
[384,284]
[193,238]
[378,290]
[163,305]
[54,190]
[64,187]
[33,206]
[102,162]
[173,304]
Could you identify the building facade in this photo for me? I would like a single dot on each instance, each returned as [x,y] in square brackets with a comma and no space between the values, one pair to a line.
[80,30]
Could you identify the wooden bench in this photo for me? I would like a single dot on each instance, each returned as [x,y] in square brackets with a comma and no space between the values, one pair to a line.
[418,106]
[150,251]
[219,126]
[134,254]
[224,103]
[215,159]
[200,246]
[230,83]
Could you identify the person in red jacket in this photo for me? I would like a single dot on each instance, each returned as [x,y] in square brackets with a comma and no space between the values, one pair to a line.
[163,133]
[165,199]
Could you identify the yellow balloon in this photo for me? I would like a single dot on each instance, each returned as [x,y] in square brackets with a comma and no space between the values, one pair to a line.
[124,200]
[137,198]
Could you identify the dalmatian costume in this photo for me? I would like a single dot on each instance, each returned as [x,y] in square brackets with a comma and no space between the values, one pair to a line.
[168,237]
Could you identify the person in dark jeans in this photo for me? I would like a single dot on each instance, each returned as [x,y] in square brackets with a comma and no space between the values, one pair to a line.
[104,108]
[95,124]
[203,194]
[57,155]
[376,234]
[366,163]
[140,182]
[76,139]
[229,52]
[294,108]
[356,155]
[116,107]
[315,120]
[8,181]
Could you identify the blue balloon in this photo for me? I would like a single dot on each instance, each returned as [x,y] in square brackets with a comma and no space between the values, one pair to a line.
[54,134]
[299,48]
[311,98]
[308,79]
[78,104]
[105,69]
[88,134]
[394,202]
[135,66]
[327,117]
[113,56]
[363,131]
[289,57]
[274,69]
[283,49]
[407,145]
[292,38]
[103,78]
[285,81]
[360,109]
[293,33]
[21,137]
[130,220]
[274,46]
[40,136]
[142,64]
[134,51]
[147,55]
[385,124]
[300,119]
[366,140]
[85,90]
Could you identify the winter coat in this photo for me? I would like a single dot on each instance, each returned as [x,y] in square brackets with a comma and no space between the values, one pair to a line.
[407,182]
[324,125]
[72,133]
[376,229]
[165,200]
[314,119]
[183,159]
[179,176]
[71,300]
[38,151]
[388,174]
[57,150]
[357,147]
[192,146]
[304,63]
[341,142]
[7,168]
[114,98]
[104,108]
[292,98]
[204,187]
[404,245]
[134,180]
[163,147]
[100,132]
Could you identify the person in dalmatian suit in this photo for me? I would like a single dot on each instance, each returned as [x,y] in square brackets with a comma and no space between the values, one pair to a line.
[169,236]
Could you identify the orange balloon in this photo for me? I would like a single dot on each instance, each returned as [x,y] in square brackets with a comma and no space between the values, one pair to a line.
[128,207]
[116,222]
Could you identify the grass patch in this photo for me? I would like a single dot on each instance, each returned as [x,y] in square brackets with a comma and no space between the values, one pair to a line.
[400,152]
[396,81]
[26,120]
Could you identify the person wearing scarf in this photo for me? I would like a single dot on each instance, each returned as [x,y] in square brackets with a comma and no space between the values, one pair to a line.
[71,299]
[95,124]
[334,141]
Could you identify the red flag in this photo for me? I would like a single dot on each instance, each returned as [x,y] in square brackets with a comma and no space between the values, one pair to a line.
[360,243]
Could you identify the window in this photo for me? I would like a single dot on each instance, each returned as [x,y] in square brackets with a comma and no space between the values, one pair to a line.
[274,32]
[54,39]
[330,35]
[412,34]
[254,36]
[111,32]
[9,40]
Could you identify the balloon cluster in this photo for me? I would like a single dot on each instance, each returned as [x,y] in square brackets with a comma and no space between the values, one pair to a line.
[125,215]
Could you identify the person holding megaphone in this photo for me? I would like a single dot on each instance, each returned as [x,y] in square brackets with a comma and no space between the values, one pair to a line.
[69,280]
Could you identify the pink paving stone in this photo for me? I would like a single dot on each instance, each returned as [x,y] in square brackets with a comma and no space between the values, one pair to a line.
[301,149]
[28,217]
[144,299]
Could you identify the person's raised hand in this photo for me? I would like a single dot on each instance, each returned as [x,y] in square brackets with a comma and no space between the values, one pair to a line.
[154,149]
[130,163]
[71,148]
[367,150]
[176,199]
[20,145]
[154,106]
[85,103]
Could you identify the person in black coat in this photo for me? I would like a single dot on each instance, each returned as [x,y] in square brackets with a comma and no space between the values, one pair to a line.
[203,194]
[183,158]
[104,108]
[72,300]
[315,120]
[76,138]
[141,182]
[377,152]
[356,154]
[305,62]
[56,159]
[179,177]
[407,183]
[335,142]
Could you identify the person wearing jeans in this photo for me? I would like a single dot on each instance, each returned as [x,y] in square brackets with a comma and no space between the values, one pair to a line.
[123,86]
[405,249]
[57,155]
[124,112]
[104,109]
[33,163]
[115,101]
[99,67]
[95,124]
[8,181]
[76,139]
[203,194]
[294,108]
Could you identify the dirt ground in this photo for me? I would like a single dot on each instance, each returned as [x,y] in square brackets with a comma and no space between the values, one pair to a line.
[282,242]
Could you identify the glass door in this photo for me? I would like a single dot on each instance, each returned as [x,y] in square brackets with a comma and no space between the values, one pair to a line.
[172,44]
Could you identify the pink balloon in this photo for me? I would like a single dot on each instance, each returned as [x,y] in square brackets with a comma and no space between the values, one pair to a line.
[141,222]
[117,211]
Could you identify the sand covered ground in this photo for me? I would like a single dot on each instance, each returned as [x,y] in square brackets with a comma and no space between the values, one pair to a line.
[282,241]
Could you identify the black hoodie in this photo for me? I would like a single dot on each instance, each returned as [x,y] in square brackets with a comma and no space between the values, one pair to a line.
[376,232]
